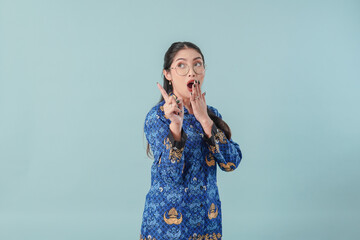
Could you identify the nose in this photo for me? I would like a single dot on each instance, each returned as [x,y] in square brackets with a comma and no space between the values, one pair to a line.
[191,72]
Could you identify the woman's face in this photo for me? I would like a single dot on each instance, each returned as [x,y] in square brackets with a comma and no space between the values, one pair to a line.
[182,84]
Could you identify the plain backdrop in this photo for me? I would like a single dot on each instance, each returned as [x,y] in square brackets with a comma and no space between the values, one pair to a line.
[77,79]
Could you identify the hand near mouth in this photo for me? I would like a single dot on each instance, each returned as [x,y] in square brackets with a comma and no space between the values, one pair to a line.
[199,107]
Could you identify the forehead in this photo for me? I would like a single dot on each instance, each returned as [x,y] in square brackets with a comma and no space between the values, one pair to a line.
[188,53]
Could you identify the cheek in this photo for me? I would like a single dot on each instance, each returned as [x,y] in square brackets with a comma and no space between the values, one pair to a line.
[180,83]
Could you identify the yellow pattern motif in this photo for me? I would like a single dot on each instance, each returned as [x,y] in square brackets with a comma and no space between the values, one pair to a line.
[207,236]
[210,162]
[175,153]
[227,167]
[213,213]
[220,136]
[214,149]
[146,238]
[173,217]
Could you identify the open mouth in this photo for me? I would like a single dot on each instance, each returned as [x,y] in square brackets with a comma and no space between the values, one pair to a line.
[190,84]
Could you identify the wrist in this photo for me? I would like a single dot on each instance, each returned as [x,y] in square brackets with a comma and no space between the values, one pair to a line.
[175,126]
[207,126]
[175,130]
[206,123]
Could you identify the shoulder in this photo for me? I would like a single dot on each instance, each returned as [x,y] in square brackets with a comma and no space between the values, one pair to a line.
[156,113]
[156,110]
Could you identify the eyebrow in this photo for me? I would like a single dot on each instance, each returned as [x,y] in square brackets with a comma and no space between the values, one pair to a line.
[185,58]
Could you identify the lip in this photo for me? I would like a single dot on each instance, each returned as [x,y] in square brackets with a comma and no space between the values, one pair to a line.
[187,84]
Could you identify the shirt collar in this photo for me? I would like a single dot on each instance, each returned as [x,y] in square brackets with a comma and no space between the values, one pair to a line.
[171,94]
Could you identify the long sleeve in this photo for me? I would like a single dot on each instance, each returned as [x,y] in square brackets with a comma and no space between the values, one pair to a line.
[225,151]
[168,153]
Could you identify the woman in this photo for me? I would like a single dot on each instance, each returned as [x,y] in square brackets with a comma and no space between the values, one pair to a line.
[187,139]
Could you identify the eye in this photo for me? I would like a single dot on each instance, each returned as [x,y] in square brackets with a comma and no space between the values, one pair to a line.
[198,64]
[181,65]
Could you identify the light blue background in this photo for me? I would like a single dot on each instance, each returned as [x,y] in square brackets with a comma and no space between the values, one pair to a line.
[78,77]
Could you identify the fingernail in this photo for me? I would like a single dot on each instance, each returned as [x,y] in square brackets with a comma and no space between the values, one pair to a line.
[177,101]
[204,93]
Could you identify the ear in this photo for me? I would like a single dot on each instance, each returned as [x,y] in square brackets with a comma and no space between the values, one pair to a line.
[167,74]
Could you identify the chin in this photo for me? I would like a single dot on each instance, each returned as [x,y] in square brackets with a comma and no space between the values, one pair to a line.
[184,94]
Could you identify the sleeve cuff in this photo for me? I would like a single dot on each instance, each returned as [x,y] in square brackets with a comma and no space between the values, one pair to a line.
[178,144]
[211,140]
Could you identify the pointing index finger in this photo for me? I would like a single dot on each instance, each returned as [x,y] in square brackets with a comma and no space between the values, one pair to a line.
[163,92]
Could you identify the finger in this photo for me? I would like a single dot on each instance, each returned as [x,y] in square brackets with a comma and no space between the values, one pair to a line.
[163,92]
[181,105]
[192,96]
[172,111]
[196,90]
[200,93]
[203,96]
[194,93]
[175,109]
[171,102]
[199,89]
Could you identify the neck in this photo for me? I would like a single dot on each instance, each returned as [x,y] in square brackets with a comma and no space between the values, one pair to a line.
[187,105]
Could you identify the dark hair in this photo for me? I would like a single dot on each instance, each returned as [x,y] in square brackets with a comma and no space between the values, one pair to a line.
[168,59]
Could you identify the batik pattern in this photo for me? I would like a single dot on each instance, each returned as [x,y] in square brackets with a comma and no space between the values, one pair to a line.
[183,201]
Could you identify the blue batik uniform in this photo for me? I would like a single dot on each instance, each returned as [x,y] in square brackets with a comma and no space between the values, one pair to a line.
[183,201]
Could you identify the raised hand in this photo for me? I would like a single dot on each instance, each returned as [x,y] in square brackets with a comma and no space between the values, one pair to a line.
[198,103]
[199,107]
[173,108]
